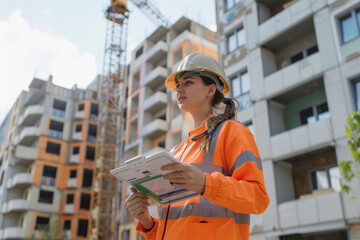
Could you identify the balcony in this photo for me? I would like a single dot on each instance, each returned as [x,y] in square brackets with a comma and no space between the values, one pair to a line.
[28,135]
[14,233]
[34,97]
[156,77]
[16,205]
[24,152]
[69,208]
[155,128]
[74,158]
[133,142]
[58,113]
[79,115]
[31,115]
[20,180]
[71,183]
[156,102]
[55,134]
[301,139]
[76,136]
[94,117]
[157,52]
[91,139]
[294,12]
[315,209]
[293,75]
[49,181]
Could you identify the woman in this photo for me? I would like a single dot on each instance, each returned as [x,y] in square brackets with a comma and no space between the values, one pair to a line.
[220,161]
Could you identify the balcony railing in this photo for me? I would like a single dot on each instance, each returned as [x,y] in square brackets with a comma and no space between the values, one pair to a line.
[49,181]
[71,183]
[91,139]
[58,113]
[314,209]
[94,117]
[55,134]
[14,233]
[20,180]
[69,208]
[74,158]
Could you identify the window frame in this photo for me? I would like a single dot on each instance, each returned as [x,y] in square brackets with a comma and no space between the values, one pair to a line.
[353,16]
[314,108]
[239,76]
[234,3]
[328,177]
[235,33]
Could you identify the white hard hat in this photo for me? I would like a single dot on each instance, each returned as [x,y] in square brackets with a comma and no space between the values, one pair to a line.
[200,62]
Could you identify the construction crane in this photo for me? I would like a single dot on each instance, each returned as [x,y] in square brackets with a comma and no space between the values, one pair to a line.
[112,99]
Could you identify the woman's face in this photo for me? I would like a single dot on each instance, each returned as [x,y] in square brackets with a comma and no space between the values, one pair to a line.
[192,93]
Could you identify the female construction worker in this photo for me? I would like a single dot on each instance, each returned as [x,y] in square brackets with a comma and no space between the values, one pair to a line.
[220,161]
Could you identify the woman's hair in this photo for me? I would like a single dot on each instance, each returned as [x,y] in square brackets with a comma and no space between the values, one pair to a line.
[213,122]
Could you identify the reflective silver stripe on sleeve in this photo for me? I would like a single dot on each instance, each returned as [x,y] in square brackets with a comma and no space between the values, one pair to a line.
[247,156]
[210,168]
[205,210]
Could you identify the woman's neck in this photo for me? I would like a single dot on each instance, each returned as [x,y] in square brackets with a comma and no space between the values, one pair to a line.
[199,116]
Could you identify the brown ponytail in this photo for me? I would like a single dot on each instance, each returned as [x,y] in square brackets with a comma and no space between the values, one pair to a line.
[213,122]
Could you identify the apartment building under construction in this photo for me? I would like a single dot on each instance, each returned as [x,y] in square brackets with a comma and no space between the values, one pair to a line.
[294,67]
[47,160]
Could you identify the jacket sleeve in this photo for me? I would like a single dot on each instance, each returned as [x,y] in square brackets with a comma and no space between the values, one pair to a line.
[150,235]
[244,190]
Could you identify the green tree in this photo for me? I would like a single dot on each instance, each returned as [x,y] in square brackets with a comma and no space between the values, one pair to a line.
[52,231]
[350,168]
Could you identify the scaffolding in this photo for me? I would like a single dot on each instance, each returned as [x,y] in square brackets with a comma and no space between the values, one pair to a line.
[109,136]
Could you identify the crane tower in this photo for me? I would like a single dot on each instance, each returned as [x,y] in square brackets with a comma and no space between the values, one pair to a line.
[112,99]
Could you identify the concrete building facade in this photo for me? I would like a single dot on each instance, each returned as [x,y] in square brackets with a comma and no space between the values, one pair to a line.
[47,160]
[153,120]
[294,68]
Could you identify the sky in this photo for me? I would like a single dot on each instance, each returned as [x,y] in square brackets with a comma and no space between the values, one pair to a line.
[66,38]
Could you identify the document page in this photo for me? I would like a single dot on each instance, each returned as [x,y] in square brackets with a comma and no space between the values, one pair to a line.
[145,174]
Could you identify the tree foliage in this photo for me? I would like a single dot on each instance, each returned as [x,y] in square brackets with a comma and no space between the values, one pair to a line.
[52,231]
[350,168]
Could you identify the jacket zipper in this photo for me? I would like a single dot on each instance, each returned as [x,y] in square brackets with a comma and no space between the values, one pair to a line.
[168,208]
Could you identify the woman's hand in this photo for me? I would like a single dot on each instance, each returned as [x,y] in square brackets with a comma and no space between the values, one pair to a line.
[138,206]
[186,176]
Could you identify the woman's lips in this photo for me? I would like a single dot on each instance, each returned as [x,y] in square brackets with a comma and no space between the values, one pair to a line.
[181,99]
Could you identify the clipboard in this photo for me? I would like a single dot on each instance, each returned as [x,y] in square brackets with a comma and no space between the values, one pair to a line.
[145,175]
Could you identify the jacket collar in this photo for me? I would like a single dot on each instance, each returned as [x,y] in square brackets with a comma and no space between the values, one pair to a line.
[201,128]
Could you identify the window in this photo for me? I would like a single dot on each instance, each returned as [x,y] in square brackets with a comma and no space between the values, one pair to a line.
[49,176]
[67,224]
[350,26]
[326,178]
[53,148]
[314,113]
[90,153]
[1,178]
[94,112]
[139,52]
[85,201]
[82,228]
[92,133]
[240,90]
[178,55]
[75,150]
[73,174]
[41,221]
[46,197]
[56,129]
[235,40]
[87,178]
[59,105]
[81,107]
[70,199]
[303,53]
[357,95]
[78,128]
[230,3]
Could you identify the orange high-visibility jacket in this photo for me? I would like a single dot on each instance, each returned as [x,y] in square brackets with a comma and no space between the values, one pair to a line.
[234,188]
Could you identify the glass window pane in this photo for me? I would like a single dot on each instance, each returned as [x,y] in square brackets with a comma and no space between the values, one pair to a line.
[244,101]
[335,178]
[235,87]
[231,41]
[240,37]
[358,18]
[245,82]
[229,4]
[320,180]
[296,57]
[349,31]
[357,95]
[323,111]
[307,116]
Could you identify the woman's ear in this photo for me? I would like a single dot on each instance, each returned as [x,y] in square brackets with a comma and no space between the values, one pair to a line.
[212,90]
